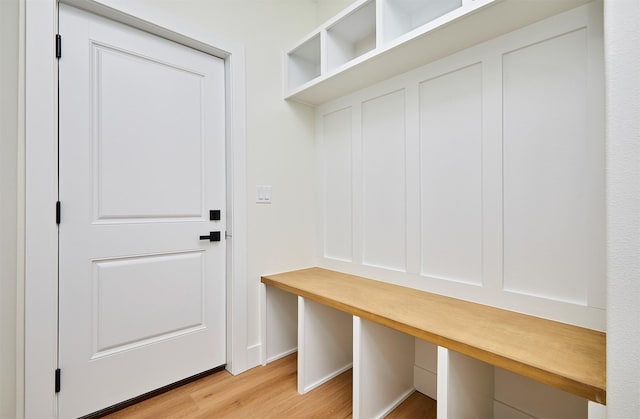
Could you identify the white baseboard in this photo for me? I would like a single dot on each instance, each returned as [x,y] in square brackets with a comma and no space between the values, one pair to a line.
[396,403]
[327,378]
[282,355]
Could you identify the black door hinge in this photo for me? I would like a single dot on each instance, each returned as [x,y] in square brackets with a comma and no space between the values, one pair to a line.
[58,380]
[58,46]
[58,212]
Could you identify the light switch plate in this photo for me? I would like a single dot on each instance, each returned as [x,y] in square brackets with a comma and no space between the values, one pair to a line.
[263,194]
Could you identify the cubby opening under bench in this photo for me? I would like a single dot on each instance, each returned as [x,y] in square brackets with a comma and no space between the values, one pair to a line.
[346,321]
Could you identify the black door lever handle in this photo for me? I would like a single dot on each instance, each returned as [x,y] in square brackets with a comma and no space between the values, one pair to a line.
[214,236]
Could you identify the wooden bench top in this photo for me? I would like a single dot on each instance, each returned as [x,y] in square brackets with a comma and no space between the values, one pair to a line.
[567,357]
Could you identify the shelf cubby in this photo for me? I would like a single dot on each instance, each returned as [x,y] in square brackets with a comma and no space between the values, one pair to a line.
[325,344]
[465,386]
[383,362]
[374,40]
[402,16]
[351,36]
[303,63]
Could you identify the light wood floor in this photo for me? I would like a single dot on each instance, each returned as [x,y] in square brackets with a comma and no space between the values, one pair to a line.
[264,392]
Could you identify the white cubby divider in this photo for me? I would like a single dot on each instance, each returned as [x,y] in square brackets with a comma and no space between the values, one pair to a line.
[465,386]
[382,368]
[325,344]
[373,40]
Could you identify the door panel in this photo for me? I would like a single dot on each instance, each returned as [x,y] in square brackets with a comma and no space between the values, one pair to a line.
[142,161]
[158,297]
[129,92]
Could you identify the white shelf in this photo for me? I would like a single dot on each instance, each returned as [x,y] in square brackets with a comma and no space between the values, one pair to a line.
[409,34]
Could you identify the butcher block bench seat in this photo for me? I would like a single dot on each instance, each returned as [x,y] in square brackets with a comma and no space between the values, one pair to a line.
[560,355]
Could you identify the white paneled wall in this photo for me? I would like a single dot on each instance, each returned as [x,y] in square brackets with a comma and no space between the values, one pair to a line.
[552,211]
[480,176]
[383,183]
[337,175]
[450,109]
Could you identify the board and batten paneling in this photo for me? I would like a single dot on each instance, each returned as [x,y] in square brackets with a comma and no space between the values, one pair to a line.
[451,185]
[337,184]
[383,184]
[553,196]
[478,176]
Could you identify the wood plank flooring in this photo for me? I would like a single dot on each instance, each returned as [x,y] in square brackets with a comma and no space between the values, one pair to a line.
[264,392]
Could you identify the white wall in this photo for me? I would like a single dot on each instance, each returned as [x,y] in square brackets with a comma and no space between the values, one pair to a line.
[9,24]
[326,9]
[622,36]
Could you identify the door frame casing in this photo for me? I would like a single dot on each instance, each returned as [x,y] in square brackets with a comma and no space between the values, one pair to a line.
[41,189]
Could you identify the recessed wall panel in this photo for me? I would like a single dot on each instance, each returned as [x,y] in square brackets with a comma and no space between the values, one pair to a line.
[146,297]
[553,171]
[451,175]
[338,229]
[384,181]
[129,95]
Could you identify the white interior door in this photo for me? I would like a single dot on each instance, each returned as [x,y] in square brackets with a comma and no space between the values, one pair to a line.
[142,164]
